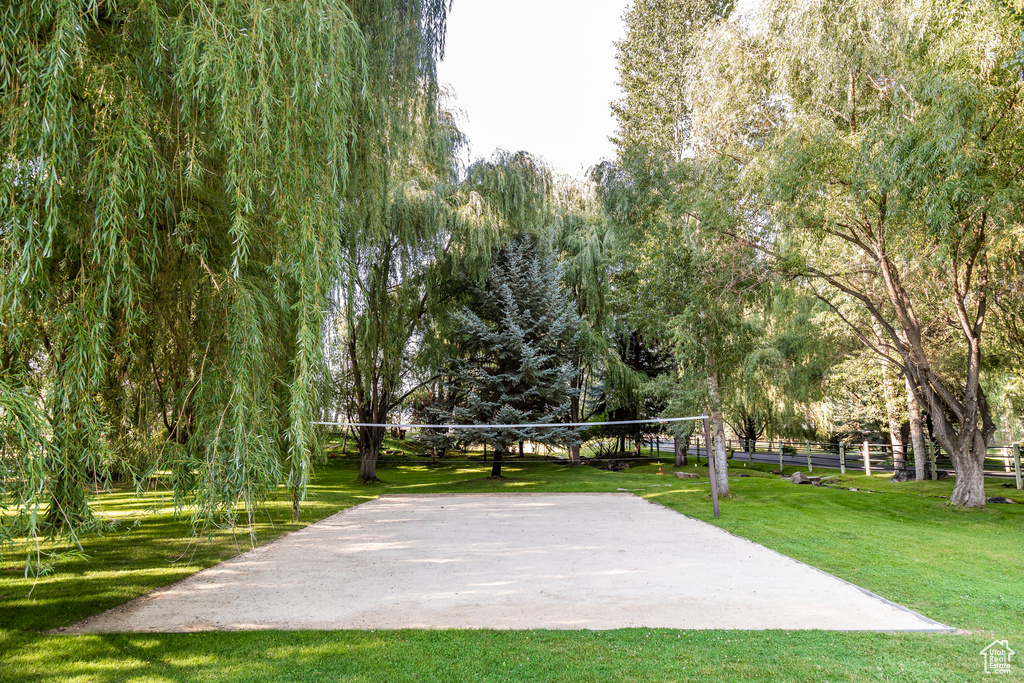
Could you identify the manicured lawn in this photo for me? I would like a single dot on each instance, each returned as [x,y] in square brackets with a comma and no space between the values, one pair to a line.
[965,569]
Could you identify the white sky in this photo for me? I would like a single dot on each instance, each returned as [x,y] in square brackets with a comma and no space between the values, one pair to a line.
[536,75]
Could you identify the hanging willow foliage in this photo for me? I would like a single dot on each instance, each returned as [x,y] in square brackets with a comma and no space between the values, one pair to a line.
[172,174]
[399,211]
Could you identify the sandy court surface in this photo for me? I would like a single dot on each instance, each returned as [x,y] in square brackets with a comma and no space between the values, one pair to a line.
[509,561]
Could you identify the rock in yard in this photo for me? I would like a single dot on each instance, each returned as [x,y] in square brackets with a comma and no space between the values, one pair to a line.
[687,475]
[1000,499]
[904,475]
[800,478]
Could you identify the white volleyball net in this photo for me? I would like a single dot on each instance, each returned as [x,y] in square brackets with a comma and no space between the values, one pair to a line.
[536,442]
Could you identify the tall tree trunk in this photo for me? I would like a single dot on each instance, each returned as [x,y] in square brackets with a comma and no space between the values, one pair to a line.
[296,503]
[496,462]
[718,430]
[969,461]
[677,449]
[885,369]
[750,438]
[369,440]
[899,459]
[574,414]
[916,431]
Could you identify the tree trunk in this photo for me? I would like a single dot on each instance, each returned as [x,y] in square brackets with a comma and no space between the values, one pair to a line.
[520,448]
[496,462]
[296,502]
[899,459]
[677,451]
[959,411]
[718,431]
[750,438]
[369,440]
[916,431]
[574,415]
[969,490]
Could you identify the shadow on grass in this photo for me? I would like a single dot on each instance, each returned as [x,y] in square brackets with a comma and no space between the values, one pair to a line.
[622,655]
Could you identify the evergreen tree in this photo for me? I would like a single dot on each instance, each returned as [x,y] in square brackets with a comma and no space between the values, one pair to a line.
[517,337]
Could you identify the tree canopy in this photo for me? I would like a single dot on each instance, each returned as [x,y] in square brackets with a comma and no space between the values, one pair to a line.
[175,185]
[866,153]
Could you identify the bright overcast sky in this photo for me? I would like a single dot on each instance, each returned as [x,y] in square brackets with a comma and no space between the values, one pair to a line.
[536,75]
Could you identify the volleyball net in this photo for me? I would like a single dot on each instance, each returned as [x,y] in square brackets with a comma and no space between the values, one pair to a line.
[617,443]
[604,440]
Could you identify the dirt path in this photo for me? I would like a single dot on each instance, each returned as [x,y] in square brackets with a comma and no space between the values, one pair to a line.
[509,561]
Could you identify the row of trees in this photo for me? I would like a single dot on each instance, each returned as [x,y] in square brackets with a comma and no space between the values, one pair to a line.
[224,221]
[862,156]
[220,222]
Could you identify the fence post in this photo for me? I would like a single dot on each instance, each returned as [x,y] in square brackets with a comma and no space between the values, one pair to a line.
[867,460]
[933,456]
[1016,465]
[842,458]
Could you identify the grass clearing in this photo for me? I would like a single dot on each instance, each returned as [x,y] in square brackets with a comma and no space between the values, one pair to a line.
[959,567]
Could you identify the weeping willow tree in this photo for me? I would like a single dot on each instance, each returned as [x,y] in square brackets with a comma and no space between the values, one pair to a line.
[405,263]
[171,180]
[586,246]
[400,213]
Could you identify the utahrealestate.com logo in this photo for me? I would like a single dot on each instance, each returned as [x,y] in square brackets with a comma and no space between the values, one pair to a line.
[997,657]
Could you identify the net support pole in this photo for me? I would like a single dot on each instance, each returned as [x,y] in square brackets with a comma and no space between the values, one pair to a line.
[842,458]
[711,466]
[1016,465]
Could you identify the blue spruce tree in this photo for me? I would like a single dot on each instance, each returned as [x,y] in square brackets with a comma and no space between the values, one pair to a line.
[517,338]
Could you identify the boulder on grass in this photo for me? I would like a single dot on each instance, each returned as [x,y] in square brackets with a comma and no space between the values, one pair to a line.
[687,475]
[800,478]
[1000,499]
[904,475]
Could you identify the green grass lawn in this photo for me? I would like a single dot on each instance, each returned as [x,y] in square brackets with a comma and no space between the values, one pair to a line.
[963,568]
